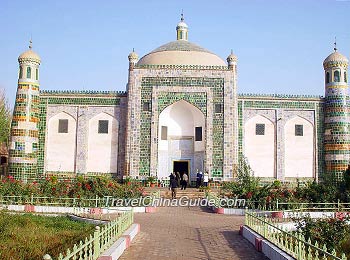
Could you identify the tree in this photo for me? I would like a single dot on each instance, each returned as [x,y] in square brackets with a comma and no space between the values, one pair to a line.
[5,118]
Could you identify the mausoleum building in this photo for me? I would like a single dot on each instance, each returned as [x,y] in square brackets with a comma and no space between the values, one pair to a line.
[180,112]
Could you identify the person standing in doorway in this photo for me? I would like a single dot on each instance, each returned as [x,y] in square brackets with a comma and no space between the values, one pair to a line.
[171,177]
[199,179]
[184,181]
[177,177]
[206,179]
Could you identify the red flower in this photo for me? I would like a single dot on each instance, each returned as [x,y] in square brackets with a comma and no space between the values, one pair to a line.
[268,199]
[249,195]
[87,186]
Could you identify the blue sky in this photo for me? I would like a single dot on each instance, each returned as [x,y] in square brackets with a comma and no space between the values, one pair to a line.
[84,44]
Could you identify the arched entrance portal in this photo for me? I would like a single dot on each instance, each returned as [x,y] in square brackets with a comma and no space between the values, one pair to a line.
[181,144]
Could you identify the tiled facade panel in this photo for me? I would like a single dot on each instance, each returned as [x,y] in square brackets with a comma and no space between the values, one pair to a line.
[197,99]
[157,89]
[84,106]
[281,109]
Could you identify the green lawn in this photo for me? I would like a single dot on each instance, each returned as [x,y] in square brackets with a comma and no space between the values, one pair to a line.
[29,237]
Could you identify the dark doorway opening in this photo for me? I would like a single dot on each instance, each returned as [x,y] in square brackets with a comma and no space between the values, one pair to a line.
[3,160]
[181,167]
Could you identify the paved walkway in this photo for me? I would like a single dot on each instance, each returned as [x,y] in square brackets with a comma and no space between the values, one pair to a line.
[189,234]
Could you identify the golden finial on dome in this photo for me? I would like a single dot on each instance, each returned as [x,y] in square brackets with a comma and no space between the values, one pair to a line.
[335,43]
[30,44]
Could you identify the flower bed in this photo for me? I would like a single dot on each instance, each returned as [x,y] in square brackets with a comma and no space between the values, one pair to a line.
[73,188]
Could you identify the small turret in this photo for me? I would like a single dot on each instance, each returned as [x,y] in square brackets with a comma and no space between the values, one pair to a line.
[182,29]
[231,60]
[133,59]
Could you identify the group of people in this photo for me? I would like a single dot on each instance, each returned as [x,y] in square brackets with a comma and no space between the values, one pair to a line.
[202,179]
[177,179]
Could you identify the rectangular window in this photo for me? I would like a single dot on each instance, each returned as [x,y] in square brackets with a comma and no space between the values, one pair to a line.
[164,134]
[36,74]
[103,126]
[19,146]
[218,108]
[29,72]
[299,130]
[260,129]
[63,126]
[146,106]
[198,133]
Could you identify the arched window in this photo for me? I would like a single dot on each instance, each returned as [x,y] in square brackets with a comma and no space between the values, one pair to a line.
[36,74]
[336,76]
[20,72]
[327,77]
[29,72]
[345,77]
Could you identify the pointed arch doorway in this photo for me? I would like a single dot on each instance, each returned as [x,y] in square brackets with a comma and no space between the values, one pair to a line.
[181,144]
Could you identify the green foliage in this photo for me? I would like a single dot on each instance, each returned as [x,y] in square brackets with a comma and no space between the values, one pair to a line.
[29,237]
[332,232]
[317,192]
[277,184]
[246,184]
[5,118]
[152,179]
[75,188]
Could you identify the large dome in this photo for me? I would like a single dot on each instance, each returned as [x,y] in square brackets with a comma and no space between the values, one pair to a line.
[181,52]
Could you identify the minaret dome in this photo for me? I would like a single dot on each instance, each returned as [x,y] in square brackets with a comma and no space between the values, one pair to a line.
[182,29]
[29,55]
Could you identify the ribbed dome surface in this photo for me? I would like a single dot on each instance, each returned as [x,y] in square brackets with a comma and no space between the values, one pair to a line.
[181,52]
[335,56]
[29,55]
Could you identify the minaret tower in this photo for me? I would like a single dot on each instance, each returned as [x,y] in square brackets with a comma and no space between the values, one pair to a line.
[133,58]
[182,29]
[24,127]
[337,120]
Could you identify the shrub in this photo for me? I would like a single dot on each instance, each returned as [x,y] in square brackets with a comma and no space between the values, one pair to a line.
[78,187]
[332,232]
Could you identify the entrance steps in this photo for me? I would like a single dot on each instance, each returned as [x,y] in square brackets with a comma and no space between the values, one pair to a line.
[191,193]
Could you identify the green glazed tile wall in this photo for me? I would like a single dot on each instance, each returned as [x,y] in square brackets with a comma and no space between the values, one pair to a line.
[197,99]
